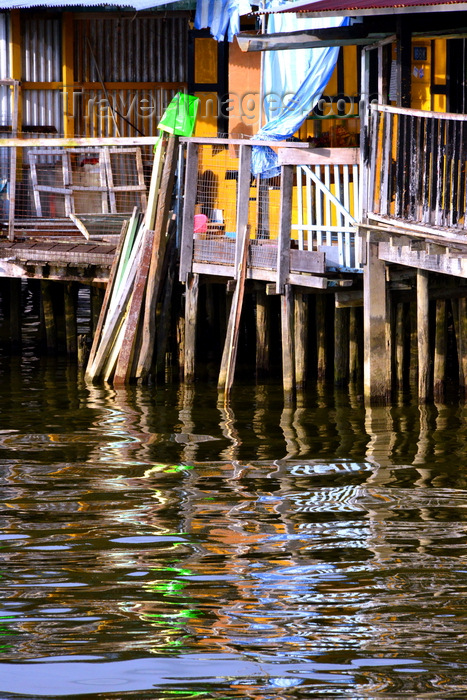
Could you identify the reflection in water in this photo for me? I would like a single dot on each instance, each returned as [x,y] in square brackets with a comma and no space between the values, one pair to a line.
[157,541]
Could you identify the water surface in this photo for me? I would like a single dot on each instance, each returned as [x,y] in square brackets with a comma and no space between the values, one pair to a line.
[157,544]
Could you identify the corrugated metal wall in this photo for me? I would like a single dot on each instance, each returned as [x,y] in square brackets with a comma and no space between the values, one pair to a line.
[131,49]
[41,57]
[5,102]
[128,50]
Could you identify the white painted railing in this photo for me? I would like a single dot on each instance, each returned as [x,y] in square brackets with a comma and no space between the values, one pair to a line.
[328,202]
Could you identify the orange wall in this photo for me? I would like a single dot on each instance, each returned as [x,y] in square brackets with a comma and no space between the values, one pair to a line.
[244,88]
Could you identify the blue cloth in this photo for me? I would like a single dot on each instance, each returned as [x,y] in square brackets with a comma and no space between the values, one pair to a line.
[221,16]
[293,82]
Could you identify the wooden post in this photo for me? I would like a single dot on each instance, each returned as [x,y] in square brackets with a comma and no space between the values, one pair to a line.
[191,311]
[320,317]
[191,190]
[180,330]
[285,219]
[300,338]
[423,337]
[341,346]
[399,346]
[288,362]
[49,316]
[262,332]
[15,313]
[462,345]
[413,353]
[439,367]
[376,337]
[163,332]
[96,301]
[404,63]
[243,199]
[355,340]
[71,336]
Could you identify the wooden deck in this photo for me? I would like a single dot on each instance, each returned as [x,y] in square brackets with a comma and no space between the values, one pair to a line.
[56,249]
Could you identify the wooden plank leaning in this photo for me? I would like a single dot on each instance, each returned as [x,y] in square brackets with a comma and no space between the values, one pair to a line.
[107,296]
[159,242]
[126,352]
[229,356]
[114,318]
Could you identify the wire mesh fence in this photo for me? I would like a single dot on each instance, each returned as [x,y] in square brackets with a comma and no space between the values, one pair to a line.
[216,209]
[43,185]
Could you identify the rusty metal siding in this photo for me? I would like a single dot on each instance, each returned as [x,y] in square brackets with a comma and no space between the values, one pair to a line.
[131,49]
[41,56]
[128,49]
[5,101]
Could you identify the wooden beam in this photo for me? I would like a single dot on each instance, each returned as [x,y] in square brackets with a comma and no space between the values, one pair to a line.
[440,354]
[376,338]
[320,325]
[285,221]
[341,347]
[300,338]
[191,190]
[262,318]
[287,333]
[71,332]
[308,39]
[319,156]
[191,312]
[423,336]
[462,344]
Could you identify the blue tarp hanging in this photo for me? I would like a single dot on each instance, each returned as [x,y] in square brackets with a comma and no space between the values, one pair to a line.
[293,82]
[221,16]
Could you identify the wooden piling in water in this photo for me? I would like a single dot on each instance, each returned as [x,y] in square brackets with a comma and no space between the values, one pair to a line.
[287,334]
[341,346]
[49,316]
[229,356]
[191,311]
[377,387]
[399,340]
[15,313]
[355,335]
[440,350]
[262,332]
[320,323]
[462,344]
[423,336]
[300,338]
[71,336]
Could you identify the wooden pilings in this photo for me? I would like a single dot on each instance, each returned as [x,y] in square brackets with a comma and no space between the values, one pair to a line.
[376,336]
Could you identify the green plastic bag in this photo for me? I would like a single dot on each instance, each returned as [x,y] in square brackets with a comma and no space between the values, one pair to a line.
[180,116]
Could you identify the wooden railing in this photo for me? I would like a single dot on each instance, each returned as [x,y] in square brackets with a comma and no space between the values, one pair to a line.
[302,222]
[328,201]
[417,167]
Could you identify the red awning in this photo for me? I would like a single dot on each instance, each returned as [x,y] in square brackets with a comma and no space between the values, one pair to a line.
[369,7]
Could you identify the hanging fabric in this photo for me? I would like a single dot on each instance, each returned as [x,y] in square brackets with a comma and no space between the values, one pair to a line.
[221,16]
[288,96]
